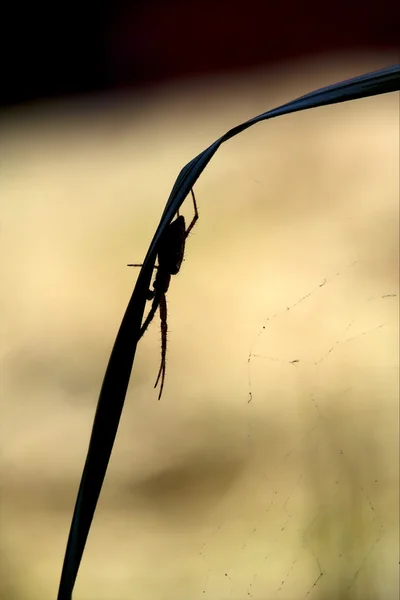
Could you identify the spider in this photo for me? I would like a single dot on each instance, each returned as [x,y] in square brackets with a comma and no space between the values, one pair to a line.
[170,253]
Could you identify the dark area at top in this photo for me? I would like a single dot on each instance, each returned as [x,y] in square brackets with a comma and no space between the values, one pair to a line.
[60,49]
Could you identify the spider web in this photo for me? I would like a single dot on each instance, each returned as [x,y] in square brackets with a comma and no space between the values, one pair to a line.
[317,526]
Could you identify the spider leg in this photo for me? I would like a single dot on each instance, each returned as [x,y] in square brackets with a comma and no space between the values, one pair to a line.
[164,329]
[150,316]
[196,215]
[150,296]
[130,265]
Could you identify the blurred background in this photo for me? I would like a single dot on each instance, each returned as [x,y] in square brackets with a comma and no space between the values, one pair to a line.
[270,467]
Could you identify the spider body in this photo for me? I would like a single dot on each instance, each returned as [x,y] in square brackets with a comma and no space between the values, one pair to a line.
[170,254]
[171,248]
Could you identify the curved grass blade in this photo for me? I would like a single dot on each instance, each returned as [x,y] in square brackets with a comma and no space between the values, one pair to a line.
[116,379]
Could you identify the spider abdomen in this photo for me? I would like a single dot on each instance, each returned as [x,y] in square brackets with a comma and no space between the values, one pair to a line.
[172,247]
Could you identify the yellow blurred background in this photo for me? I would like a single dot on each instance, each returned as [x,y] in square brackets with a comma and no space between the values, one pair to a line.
[269,469]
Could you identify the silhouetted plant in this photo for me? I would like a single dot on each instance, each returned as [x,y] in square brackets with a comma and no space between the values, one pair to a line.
[116,379]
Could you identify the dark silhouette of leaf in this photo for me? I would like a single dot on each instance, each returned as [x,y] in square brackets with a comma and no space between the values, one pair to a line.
[116,379]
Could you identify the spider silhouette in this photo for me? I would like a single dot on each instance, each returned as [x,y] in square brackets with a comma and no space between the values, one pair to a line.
[170,254]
